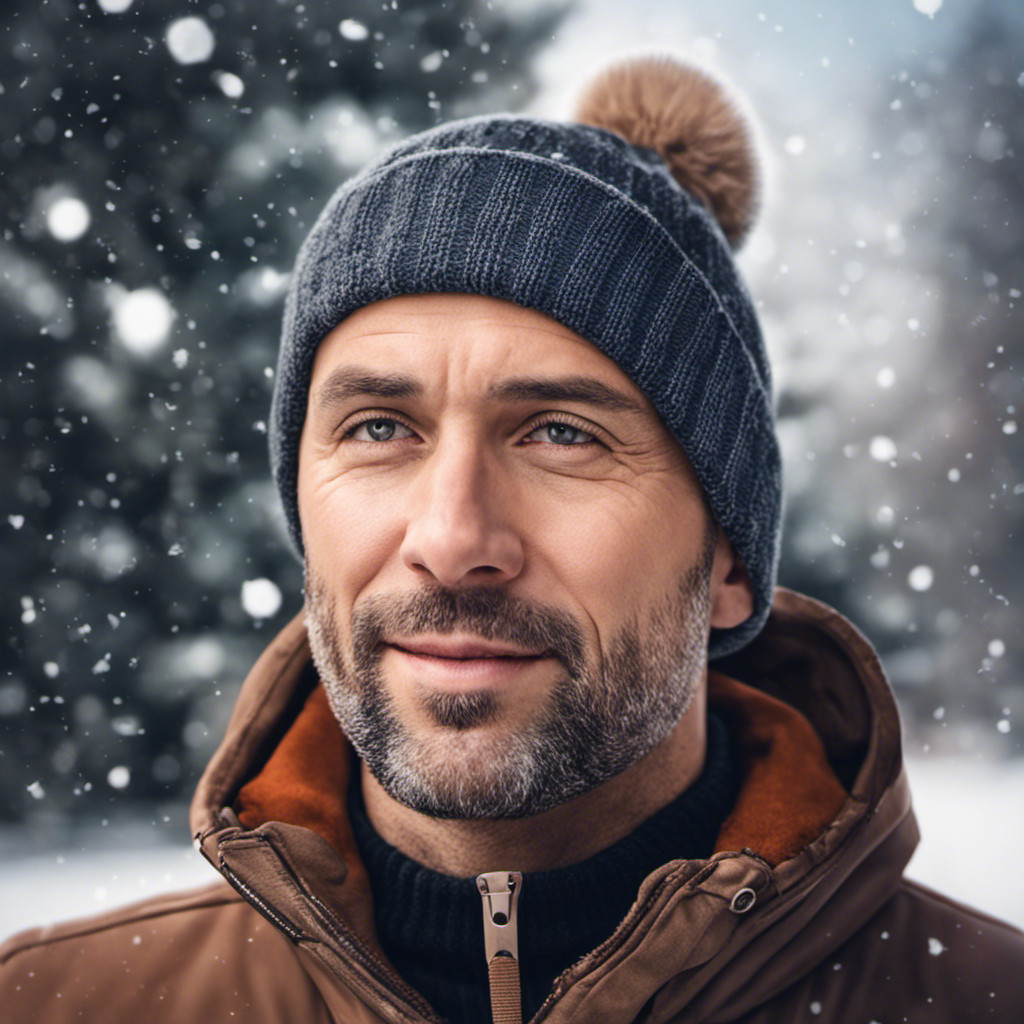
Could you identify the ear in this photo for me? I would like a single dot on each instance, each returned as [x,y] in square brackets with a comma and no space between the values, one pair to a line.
[732,595]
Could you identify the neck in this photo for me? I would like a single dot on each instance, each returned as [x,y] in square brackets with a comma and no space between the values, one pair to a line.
[561,836]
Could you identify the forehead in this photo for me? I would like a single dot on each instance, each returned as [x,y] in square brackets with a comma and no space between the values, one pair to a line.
[464,338]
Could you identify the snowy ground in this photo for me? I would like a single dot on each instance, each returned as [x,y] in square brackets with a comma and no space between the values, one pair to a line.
[961,806]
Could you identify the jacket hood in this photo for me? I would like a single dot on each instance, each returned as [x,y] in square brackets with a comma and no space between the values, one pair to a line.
[816,844]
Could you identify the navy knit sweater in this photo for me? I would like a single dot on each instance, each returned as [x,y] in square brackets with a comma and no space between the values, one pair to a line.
[430,924]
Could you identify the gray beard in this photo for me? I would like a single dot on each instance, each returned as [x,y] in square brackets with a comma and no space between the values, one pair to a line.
[600,717]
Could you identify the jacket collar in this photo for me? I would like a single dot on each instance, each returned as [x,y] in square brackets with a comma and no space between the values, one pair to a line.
[801,861]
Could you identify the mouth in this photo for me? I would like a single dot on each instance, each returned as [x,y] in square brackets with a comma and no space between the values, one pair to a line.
[452,649]
[463,663]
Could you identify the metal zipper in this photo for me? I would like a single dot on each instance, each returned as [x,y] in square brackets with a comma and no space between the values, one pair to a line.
[269,912]
[386,983]
[499,891]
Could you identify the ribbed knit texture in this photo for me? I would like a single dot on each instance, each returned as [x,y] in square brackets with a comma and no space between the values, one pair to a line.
[431,927]
[575,222]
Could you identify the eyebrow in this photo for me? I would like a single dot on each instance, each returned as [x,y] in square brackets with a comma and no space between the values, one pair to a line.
[588,390]
[352,381]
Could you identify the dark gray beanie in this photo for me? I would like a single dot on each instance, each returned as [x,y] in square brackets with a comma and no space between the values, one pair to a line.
[575,222]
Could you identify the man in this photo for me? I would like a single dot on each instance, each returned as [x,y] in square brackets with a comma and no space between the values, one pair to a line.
[522,431]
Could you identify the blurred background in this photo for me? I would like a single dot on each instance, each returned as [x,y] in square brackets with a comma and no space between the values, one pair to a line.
[160,162]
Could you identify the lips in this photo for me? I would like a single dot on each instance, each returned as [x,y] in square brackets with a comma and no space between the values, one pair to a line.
[463,650]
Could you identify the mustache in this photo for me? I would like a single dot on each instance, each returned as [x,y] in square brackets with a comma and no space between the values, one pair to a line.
[489,613]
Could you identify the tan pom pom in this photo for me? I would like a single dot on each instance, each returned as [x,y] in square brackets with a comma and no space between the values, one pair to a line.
[686,116]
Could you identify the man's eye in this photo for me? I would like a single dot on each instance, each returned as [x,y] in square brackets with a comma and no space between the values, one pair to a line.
[381,428]
[560,433]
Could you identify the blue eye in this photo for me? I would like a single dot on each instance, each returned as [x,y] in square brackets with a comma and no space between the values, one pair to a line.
[381,428]
[563,434]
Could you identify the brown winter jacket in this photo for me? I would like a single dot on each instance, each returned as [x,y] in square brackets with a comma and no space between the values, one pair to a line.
[801,915]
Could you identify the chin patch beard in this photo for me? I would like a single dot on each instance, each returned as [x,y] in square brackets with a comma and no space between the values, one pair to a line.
[459,710]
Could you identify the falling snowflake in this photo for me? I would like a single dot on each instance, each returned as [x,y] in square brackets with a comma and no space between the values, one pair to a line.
[68,219]
[261,598]
[921,578]
[353,30]
[190,40]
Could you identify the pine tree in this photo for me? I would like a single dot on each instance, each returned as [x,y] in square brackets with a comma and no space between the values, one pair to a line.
[922,479]
[162,161]
[958,127]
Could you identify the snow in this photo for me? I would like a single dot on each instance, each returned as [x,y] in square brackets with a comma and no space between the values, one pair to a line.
[68,219]
[432,61]
[142,319]
[920,578]
[882,448]
[73,883]
[231,85]
[353,30]
[969,811]
[966,809]
[886,377]
[203,657]
[261,598]
[190,40]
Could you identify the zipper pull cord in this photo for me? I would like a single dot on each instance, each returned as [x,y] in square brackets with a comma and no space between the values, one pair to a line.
[499,891]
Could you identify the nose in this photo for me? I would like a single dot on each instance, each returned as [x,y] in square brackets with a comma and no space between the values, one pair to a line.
[459,529]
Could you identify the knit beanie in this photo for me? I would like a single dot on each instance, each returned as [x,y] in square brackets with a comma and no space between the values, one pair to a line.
[621,225]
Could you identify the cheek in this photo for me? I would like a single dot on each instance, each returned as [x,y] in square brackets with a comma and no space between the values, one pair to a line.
[619,554]
[350,529]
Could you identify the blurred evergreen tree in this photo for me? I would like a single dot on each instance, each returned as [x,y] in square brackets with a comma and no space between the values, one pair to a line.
[161,162]
[958,127]
[929,557]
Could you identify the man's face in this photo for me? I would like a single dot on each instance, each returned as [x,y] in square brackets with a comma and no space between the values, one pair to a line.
[509,565]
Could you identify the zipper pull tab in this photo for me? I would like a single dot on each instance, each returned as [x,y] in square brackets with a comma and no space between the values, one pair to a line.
[500,893]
